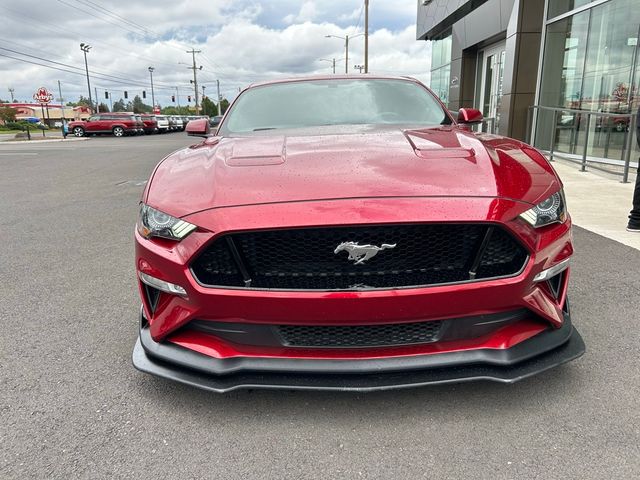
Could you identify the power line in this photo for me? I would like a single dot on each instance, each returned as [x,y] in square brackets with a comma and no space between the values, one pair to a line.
[114,15]
[359,20]
[71,34]
[127,83]
[95,72]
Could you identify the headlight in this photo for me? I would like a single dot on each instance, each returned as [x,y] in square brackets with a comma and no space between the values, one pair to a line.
[551,210]
[154,223]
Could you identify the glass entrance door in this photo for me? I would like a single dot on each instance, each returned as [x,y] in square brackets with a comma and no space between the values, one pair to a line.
[491,87]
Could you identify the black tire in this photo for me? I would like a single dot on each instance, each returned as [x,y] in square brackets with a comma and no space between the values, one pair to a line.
[621,126]
[118,131]
[78,131]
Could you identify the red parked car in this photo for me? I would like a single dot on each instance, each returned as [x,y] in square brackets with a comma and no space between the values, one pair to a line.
[150,123]
[347,233]
[117,124]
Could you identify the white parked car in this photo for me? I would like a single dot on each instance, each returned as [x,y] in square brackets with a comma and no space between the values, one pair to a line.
[163,123]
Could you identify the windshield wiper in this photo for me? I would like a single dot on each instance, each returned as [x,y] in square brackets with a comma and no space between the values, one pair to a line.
[263,128]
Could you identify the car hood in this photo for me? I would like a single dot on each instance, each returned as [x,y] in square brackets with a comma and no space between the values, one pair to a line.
[362,162]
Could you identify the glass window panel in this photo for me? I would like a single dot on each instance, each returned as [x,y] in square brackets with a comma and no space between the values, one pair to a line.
[563,64]
[558,7]
[588,65]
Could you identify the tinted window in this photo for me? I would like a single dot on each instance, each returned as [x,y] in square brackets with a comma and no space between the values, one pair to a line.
[333,102]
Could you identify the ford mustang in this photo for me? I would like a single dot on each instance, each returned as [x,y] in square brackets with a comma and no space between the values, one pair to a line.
[348,233]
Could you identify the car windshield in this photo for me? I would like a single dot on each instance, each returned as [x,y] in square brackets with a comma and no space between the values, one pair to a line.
[333,102]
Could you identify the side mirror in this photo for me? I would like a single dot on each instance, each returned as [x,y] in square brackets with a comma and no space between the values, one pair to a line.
[198,128]
[469,116]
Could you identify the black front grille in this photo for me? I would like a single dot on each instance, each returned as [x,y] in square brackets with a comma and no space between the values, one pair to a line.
[304,258]
[360,335]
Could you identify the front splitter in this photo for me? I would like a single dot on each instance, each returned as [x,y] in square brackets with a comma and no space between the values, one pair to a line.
[504,366]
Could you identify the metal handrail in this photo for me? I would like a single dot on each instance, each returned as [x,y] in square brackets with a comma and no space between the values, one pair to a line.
[629,119]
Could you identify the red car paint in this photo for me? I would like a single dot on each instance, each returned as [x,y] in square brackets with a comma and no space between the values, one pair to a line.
[369,175]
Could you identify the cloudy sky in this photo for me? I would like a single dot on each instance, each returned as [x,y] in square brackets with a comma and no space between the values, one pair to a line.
[241,41]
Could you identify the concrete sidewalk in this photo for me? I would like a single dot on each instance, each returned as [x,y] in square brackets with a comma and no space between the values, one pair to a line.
[598,203]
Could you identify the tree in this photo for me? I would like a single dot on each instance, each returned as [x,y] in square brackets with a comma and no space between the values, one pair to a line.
[119,106]
[208,107]
[176,111]
[103,107]
[224,105]
[7,114]
[83,101]
[138,106]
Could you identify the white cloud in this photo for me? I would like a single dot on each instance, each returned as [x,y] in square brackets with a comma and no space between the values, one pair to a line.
[242,41]
[306,14]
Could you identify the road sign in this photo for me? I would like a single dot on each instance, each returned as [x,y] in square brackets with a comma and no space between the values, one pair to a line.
[43,96]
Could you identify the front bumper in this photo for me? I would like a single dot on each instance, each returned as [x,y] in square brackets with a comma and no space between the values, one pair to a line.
[169,349]
[548,349]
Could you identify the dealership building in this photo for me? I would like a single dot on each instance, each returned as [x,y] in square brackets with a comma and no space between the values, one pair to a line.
[562,74]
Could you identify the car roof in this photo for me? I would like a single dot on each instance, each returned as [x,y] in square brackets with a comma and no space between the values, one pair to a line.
[359,76]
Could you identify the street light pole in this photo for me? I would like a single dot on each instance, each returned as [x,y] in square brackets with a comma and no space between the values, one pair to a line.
[346,48]
[11,90]
[331,61]
[366,36]
[153,97]
[85,48]
[219,98]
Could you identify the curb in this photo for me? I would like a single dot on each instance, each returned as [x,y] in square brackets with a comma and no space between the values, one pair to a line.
[35,142]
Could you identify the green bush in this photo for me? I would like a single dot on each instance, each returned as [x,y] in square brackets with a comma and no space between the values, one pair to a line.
[14,126]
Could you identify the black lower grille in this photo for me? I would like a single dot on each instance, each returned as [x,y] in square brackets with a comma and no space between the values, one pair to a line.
[400,256]
[360,335]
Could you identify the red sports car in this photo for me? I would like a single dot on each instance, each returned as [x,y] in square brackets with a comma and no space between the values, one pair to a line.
[347,233]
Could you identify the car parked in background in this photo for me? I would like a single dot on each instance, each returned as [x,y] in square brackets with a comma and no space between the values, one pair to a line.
[163,123]
[150,123]
[181,122]
[117,124]
[175,123]
[140,124]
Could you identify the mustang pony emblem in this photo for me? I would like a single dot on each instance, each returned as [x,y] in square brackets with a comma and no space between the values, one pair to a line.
[361,253]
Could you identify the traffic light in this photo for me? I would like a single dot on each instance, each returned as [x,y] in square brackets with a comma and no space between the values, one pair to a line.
[173,98]
[144,94]
[189,98]
[126,95]
[106,95]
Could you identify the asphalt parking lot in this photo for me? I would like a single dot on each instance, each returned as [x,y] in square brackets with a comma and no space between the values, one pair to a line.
[72,405]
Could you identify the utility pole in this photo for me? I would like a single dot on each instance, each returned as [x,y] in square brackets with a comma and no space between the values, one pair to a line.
[195,78]
[219,98]
[366,36]
[111,100]
[11,90]
[178,98]
[346,54]
[97,103]
[61,101]
[85,48]
[153,97]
